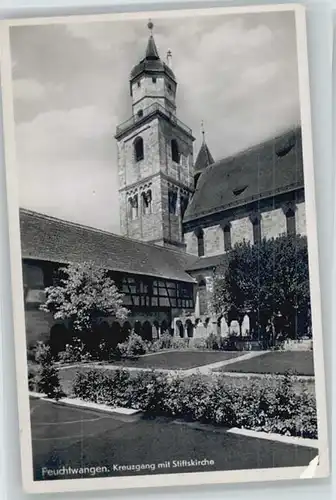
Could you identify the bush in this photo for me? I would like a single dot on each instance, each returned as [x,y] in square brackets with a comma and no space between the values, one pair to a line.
[133,346]
[31,352]
[46,379]
[270,405]
[32,371]
[212,342]
[74,353]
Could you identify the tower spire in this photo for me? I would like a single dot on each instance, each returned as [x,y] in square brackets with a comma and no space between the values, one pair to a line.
[203,132]
[151,51]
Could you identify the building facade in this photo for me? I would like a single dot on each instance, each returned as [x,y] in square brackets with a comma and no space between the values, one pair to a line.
[178,218]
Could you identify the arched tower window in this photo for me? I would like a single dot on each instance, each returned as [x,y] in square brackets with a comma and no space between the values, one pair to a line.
[172,200]
[138,149]
[133,207]
[147,202]
[290,221]
[184,200]
[200,242]
[227,237]
[175,151]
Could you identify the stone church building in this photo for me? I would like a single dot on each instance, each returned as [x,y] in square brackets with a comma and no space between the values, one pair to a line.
[178,217]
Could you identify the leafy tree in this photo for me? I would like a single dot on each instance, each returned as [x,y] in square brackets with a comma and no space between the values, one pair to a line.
[47,379]
[270,279]
[83,295]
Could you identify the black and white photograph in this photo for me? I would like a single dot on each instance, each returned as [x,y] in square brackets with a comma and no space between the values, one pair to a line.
[164,259]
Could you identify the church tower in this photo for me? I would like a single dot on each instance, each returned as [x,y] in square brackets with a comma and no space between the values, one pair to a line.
[155,155]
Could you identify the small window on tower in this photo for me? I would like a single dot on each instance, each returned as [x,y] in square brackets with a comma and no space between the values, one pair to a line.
[140,113]
[154,79]
[139,83]
[138,149]
[175,151]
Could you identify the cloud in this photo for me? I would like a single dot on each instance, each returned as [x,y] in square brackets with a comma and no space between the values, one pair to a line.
[28,89]
[65,134]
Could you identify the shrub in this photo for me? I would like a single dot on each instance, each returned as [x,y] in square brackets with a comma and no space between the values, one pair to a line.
[133,346]
[165,341]
[32,371]
[46,379]
[271,405]
[180,343]
[74,353]
[31,352]
[212,342]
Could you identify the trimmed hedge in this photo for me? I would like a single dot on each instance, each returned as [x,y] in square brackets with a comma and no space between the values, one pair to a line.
[271,406]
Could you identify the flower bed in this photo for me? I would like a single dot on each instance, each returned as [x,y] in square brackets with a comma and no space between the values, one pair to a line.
[271,407]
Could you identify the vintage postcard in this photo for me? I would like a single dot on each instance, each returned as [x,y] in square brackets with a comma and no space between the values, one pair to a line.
[164,248]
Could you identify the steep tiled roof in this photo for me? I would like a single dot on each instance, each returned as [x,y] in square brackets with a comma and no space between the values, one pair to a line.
[273,167]
[204,158]
[50,239]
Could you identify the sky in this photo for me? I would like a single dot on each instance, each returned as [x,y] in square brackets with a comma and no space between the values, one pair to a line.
[237,74]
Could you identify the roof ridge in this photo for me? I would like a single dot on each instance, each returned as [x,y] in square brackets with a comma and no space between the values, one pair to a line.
[97,230]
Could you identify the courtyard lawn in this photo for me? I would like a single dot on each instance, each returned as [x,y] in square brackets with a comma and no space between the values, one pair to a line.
[64,437]
[179,360]
[276,363]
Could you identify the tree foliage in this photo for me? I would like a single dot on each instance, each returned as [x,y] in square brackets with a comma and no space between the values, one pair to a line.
[46,379]
[268,279]
[83,294]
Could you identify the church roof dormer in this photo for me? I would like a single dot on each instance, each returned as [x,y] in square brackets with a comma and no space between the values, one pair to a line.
[151,64]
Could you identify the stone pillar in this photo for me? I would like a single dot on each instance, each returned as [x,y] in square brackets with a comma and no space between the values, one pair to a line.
[245,326]
[224,328]
[197,305]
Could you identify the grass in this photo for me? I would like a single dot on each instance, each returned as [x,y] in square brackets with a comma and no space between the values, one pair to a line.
[179,360]
[276,363]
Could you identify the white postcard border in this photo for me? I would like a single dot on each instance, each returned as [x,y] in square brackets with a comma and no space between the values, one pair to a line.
[132,482]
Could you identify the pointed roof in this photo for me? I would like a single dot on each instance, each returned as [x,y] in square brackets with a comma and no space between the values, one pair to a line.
[204,158]
[151,63]
[151,51]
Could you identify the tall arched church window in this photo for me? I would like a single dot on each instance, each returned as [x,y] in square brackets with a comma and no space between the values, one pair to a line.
[200,242]
[227,237]
[255,219]
[138,149]
[290,221]
[147,202]
[175,151]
